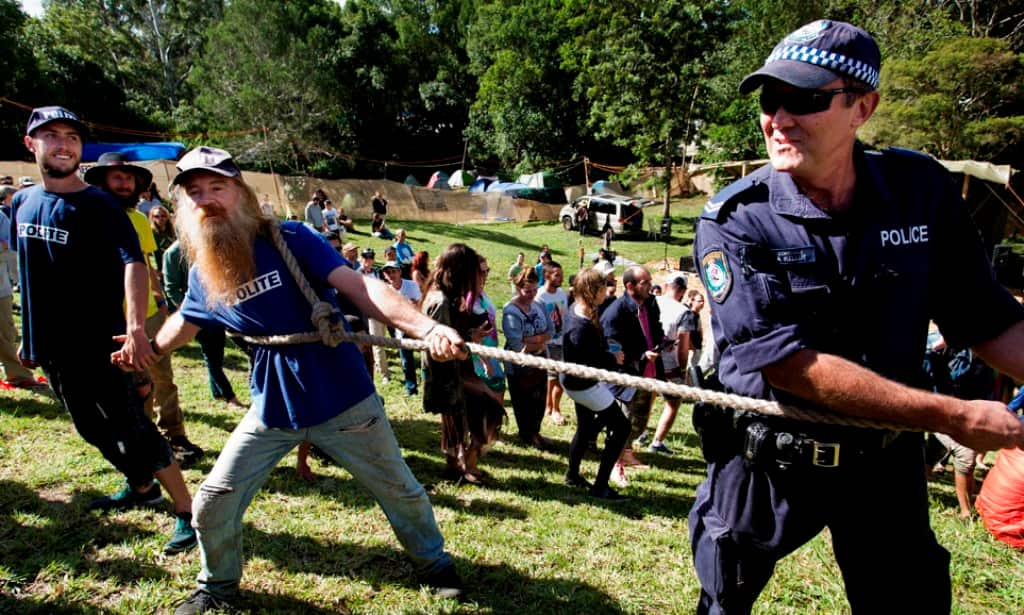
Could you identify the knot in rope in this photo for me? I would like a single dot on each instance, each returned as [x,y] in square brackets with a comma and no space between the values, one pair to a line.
[327,330]
[333,333]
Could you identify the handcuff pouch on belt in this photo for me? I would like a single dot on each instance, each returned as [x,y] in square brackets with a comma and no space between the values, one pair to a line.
[725,433]
[764,447]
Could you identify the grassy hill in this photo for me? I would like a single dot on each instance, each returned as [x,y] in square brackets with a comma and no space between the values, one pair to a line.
[524,543]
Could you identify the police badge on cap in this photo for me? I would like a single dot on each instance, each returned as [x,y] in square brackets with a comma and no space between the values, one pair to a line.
[818,54]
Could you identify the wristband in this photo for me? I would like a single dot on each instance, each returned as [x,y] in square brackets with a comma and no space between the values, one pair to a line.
[161,303]
[428,331]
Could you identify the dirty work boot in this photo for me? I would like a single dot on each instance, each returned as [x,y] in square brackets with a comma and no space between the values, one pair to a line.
[184,536]
[129,498]
[446,582]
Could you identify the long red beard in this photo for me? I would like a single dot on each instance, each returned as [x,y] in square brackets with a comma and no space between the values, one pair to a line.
[222,248]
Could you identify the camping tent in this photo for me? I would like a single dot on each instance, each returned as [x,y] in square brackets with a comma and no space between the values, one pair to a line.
[439,181]
[460,179]
[546,179]
[480,184]
[605,186]
[509,188]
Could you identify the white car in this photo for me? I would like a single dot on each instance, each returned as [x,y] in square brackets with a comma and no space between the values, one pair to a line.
[624,213]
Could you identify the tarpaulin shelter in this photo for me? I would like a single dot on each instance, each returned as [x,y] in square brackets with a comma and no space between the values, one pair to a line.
[169,150]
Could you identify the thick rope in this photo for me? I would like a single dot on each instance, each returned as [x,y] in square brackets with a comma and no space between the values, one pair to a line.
[333,334]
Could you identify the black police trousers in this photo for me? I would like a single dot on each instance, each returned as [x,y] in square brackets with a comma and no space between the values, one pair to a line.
[109,414]
[745,519]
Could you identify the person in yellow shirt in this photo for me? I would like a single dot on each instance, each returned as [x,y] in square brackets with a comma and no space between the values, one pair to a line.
[124,182]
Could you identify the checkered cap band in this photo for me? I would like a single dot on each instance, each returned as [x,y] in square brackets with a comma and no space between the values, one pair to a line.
[827,59]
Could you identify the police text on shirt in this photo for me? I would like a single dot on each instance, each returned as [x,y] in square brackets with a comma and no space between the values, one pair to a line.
[905,236]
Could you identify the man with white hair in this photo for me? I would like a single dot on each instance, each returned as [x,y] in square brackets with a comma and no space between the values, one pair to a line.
[300,391]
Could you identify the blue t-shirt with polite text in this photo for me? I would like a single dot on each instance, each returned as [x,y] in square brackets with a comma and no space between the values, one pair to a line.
[72,248]
[293,385]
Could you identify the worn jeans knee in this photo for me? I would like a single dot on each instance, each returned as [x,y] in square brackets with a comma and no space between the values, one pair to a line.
[361,441]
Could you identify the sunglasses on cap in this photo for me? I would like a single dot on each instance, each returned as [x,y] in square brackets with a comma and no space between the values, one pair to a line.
[798,101]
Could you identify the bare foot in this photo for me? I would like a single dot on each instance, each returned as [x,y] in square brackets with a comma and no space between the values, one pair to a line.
[630,460]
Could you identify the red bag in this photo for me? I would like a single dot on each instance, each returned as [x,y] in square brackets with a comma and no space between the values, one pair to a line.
[1001,500]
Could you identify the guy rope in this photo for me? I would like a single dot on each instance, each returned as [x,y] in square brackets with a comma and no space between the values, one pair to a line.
[333,333]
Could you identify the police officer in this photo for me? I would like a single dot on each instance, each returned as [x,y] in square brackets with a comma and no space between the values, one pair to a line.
[824,268]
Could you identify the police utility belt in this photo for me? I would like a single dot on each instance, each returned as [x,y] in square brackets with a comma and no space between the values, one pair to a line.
[768,443]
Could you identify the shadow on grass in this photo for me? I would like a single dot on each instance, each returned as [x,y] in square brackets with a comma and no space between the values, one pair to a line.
[942,489]
[220,420]
[30,605]
[61,536]
[514,456]
[466,234]
[490,588]
[38,405]
[232,360]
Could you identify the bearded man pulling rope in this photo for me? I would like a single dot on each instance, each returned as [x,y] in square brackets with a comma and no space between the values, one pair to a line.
[300,391]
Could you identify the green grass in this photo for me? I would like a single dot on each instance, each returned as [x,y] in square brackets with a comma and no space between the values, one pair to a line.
[525,543]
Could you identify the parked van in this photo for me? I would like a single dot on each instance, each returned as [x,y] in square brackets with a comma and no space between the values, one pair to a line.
[624,212]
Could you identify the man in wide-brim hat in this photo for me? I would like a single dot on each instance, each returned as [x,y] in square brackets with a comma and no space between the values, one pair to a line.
[115,174]
[110,173]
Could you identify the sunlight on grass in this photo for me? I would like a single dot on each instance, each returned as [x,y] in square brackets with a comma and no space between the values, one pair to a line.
[524,544]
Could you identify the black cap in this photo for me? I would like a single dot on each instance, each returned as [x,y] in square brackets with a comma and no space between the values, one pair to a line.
[98,173]
[205,158]
[368,253]
[818,54]
[678,280]
[42,116]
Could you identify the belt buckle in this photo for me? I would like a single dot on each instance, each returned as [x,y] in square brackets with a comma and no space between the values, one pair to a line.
[826,454]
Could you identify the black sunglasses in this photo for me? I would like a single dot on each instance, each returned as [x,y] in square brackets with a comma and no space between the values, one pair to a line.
[798,101]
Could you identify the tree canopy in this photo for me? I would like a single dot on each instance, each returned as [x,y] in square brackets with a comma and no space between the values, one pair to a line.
[352,88]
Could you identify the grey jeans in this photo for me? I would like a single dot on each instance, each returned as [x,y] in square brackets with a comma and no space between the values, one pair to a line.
[359,439]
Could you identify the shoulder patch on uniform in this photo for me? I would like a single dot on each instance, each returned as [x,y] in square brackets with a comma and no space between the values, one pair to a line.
[717,279]
[727,195]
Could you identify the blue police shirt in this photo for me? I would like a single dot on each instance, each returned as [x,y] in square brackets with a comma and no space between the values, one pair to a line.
[72,248]
[293,385]
[784,275]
